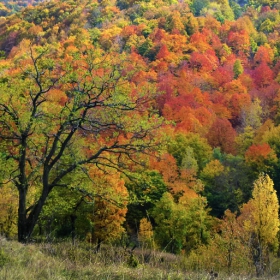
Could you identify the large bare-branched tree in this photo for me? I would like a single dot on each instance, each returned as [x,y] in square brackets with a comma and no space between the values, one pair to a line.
[62,112]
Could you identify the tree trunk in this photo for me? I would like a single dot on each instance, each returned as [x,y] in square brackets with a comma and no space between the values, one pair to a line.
[258,261]
[99,241]
[22,223]
[27,222]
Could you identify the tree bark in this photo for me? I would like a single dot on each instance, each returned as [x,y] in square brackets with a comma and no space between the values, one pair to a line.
[26,224]
[22,225]
[27,221]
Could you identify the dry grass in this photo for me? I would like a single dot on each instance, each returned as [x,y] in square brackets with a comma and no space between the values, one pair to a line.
[65,261]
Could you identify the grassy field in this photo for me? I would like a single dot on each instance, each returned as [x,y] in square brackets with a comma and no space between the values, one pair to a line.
[66,261]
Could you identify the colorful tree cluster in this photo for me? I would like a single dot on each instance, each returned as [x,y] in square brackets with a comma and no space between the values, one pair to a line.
[145,120]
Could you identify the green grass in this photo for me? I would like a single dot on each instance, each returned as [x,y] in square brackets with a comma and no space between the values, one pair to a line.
[64,261]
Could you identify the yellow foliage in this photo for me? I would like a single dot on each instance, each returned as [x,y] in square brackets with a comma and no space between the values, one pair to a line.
[263,217]
[213,169]
[145,230]
[8,211]
[110,205]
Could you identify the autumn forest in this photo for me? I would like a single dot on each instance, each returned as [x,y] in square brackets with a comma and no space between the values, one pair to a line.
[152,124]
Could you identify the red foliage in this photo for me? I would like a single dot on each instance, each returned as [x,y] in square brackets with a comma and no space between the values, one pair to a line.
[263,75]
[221,134]
[223,75]
[204,62]
[159,35]
[236,103]
[128,31]
[265,9]
[239,41]
[263,54]
[163,52]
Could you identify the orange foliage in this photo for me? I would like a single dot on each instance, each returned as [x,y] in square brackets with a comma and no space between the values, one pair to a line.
[163,52]
[199,41]
[260,156]
[264,54]
[237,102]
[258,151]
[166,166]
[204,62]
[57,96]
[109,207]
[179,183]
[239,41]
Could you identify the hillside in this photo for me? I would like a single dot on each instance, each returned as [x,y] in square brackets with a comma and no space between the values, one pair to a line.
[146,123]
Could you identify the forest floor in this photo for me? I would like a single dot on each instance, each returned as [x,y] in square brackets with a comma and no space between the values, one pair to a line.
[66,261]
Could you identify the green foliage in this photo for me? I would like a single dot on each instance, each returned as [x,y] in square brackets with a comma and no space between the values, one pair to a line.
[181,226]
[145,191]
[220,10]
[146,49]
[229,186]
[199,222]
[237,68]
[267,21]
[132,261]
[190,150]
[259,3]
[197,6]
[63,205]
[236,8]
[245,139]
[171,221]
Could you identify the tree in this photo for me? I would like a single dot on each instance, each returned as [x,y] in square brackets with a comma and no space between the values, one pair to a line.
[264,54]
[261,158]
[251,115]
[245,139]
[146,232]
[145,190]
[258,3]
[60,116]
[171,220]
[231,244]
[221,10]
[183,225]
[226,249]
[260,219]
[198,5]
[184,145]
[222,134]
[239,41]
[109,208]
[237,68]
[199,222]
[227,183]
[263,75]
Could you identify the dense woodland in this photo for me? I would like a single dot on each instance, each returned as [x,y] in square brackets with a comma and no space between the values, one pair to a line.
[146,123]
